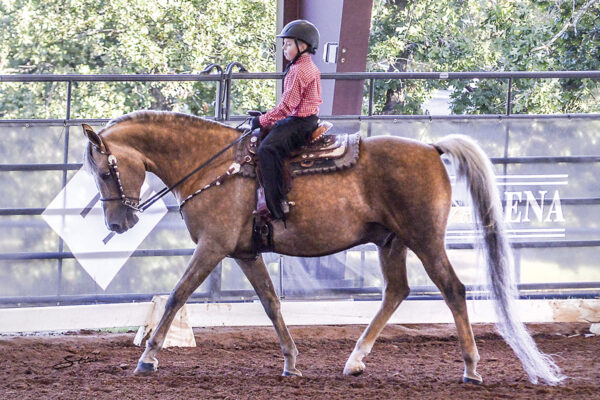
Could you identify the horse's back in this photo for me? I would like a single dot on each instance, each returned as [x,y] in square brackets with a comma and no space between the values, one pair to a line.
[389,169]
[408,161]
[394,182]
[406,184]
[400,150]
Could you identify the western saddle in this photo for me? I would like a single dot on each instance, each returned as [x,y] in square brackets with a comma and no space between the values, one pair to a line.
[325,152]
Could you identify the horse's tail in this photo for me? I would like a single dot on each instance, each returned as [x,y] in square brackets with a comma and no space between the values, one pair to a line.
[471,164]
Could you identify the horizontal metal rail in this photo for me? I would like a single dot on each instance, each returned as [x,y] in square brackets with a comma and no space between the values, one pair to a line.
[372,76]
[53,255]
[454,117]
[589,201]
[39,211]
[27,123]
[494,160]
[109,78]
[545,159]
[527,291]
[225,79]
[40,167]
[436,75]
[350,118]
[279,75]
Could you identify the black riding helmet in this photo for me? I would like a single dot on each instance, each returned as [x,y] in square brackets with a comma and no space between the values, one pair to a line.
[301,29]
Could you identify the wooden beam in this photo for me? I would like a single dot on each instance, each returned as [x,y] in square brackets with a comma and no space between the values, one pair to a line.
[352,55]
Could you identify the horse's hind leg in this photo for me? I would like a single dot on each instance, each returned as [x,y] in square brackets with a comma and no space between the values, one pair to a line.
[257,274]
[393,267]
[204,260]
[440,271]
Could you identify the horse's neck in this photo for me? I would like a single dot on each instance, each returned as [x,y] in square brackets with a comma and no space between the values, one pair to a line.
[173,151]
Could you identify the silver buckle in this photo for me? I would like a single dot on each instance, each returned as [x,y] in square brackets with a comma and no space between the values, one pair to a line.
[234,168]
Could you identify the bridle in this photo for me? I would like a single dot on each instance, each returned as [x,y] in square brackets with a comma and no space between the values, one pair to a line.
[134,202]
[127,201]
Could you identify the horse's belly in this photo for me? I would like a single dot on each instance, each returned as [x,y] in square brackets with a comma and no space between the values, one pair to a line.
[329,215]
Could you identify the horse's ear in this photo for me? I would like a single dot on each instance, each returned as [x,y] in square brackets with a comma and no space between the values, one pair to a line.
[93,137]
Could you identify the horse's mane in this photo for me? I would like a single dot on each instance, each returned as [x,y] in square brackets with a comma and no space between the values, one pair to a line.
[148,116]
[166,117]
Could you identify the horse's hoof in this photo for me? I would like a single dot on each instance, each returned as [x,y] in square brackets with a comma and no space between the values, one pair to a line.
[293,372]
[472,380]
[354,370]
[145,368]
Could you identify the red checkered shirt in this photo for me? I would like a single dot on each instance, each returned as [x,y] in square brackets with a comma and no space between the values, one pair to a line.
[301,93]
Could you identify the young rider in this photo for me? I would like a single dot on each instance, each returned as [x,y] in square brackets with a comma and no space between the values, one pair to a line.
[295,117]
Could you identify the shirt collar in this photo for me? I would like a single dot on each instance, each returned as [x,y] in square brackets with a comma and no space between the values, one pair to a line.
[304,57]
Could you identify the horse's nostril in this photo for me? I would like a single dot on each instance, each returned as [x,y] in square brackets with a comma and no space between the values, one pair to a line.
[115,227]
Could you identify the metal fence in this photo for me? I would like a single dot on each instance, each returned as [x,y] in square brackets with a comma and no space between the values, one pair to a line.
[213,290]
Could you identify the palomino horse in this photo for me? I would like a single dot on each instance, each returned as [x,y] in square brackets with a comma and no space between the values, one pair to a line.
[397,196]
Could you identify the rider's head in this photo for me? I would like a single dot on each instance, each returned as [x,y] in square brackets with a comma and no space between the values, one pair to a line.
[303,34]
[293,48]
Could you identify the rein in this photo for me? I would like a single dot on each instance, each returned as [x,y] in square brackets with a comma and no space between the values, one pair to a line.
[233,169]
[133,203]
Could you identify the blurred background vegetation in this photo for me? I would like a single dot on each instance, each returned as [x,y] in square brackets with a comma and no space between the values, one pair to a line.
[501,35]
[130,37]
[184,36]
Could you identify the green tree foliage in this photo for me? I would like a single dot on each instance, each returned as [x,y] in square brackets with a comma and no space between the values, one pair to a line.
[131,37]
[183,36]
[476,35]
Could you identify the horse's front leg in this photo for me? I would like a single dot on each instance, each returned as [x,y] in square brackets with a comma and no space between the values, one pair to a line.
[204,260]
[257,274]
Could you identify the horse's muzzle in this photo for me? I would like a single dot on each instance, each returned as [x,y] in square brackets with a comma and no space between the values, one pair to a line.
[124,224]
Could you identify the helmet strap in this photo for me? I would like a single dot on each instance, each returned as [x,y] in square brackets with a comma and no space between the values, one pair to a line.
[295,58]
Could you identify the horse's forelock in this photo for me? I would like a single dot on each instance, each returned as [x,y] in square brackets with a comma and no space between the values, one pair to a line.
[88,159]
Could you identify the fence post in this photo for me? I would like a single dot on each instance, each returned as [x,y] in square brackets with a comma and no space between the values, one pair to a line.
[64,183]
[219,94]
[281,292]
[371,95]
[508,97]
[215,280]
[228,72]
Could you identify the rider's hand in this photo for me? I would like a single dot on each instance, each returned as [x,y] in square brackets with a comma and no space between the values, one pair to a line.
[255,123]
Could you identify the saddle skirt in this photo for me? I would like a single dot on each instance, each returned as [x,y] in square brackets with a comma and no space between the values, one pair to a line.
[325,153]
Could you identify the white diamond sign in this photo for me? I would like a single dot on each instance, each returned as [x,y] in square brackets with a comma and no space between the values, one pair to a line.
[76,215]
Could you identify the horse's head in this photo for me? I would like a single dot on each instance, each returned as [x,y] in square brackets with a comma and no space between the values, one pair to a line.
[119,173]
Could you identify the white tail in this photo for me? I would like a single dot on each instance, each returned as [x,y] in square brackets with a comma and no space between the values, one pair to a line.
[473,165]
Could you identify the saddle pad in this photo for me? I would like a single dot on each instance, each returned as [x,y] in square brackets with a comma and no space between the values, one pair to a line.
[328,154]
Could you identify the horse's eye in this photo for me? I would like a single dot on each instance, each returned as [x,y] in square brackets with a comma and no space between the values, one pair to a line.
[105,176]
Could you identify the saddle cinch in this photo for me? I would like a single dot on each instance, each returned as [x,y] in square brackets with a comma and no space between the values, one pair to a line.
[324,153]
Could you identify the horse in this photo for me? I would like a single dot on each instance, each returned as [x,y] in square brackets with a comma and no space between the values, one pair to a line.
[397,196]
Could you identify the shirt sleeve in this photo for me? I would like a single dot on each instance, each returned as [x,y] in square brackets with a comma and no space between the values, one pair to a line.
[290,99]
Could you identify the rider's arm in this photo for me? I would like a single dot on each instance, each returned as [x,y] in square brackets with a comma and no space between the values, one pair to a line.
[290,99]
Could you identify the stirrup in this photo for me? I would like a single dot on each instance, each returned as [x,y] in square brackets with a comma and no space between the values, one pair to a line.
[286,205]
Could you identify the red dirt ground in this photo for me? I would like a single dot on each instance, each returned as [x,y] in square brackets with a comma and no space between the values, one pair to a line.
[410,361]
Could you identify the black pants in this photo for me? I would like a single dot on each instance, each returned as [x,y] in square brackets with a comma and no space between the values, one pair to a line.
[287,135]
